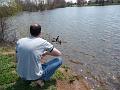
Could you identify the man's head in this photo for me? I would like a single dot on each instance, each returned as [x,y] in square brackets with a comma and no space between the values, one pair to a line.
[35,30]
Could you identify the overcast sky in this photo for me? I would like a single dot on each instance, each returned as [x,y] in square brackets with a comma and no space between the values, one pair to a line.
[71,0]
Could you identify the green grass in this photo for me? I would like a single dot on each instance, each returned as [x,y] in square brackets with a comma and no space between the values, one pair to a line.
[58,75]
[7,69]
[65,66]
[9,79]
[21,85]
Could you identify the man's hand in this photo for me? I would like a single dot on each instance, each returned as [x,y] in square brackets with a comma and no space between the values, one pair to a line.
[43,56]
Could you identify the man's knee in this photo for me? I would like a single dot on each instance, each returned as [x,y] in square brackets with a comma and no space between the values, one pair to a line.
[59,60]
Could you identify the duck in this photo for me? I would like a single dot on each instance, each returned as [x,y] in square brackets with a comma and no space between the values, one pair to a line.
[60,42]
[57,39]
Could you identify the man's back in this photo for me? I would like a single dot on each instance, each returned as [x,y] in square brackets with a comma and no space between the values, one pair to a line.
[29,51]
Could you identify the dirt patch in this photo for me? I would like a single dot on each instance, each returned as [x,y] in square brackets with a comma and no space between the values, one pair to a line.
[76,85]
[72,81]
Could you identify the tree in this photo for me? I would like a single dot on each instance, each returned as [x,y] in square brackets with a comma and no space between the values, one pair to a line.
[6,10]
[59,3]
[81,2]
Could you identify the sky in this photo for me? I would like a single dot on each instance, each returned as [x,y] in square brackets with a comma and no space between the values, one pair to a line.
[71,0]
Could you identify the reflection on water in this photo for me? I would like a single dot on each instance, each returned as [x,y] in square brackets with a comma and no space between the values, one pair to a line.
[92,35]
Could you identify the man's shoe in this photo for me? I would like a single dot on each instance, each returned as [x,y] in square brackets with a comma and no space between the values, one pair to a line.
[40,83]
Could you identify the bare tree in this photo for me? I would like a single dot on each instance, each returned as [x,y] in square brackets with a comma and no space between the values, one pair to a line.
[3,15]
[5,11]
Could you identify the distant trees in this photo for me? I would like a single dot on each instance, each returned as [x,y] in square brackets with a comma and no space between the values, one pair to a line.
[103,2]
[81,2]
[6,10]
[27,5]
[35,5]
[69,4]
[100,2]
[59,3]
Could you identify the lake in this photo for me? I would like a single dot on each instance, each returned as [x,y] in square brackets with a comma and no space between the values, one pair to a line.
[90,36]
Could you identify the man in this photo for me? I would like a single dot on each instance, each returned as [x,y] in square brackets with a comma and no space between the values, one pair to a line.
[30,51]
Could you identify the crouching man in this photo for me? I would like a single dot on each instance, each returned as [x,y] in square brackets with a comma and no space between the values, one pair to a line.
[30,51]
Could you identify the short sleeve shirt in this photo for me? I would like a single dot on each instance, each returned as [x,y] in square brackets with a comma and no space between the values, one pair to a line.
[28,52]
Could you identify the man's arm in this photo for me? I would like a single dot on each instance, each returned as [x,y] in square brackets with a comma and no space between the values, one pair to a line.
[54,52]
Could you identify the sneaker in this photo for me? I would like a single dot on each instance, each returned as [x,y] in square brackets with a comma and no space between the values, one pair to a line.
[40,83]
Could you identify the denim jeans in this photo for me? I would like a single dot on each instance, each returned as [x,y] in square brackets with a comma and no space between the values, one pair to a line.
[50,67]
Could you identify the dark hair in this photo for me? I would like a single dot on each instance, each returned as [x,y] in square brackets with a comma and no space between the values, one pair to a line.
[35,30]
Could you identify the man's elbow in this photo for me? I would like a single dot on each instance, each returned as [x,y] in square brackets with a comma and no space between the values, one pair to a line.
[56,52]
[59,54]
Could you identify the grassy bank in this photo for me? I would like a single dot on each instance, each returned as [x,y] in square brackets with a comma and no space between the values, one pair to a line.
[63,79]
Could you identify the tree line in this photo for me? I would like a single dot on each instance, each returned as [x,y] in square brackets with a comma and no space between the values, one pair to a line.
[97,2]
[37,5]
[105,2]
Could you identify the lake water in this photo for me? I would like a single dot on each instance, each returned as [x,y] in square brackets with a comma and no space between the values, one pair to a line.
[90,36]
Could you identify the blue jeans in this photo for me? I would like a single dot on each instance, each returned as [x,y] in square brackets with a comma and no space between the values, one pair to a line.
[50,67]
